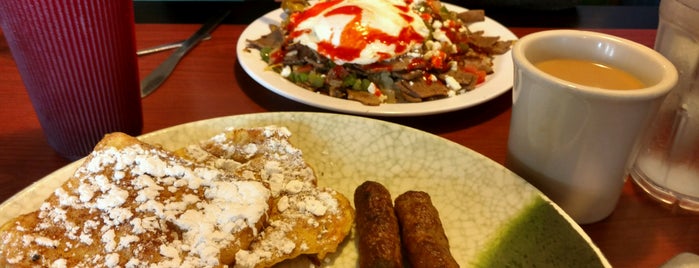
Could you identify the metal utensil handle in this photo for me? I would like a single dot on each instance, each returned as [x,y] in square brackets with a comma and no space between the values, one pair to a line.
[163,71]
[163,47]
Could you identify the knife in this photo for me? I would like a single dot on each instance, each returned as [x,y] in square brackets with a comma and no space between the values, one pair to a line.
[163,47]
[151,82]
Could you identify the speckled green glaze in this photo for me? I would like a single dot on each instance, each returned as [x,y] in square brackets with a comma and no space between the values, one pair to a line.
[486,210]
[539,237]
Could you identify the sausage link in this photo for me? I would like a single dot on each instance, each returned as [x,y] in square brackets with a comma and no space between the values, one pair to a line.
[377,227]
[422,233]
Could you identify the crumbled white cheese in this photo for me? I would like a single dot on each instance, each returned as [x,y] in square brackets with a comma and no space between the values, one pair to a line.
[453,65]
[451,93]
[437,24]
[441,35]
[433,46]
[451,82]
[372,88]
[286,71]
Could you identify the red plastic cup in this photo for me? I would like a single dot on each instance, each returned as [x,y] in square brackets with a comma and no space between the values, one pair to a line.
[77,59]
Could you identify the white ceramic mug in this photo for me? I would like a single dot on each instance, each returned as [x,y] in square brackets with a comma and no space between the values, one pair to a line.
[573,141]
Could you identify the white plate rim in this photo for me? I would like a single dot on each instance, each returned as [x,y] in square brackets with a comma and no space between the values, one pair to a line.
[495,85]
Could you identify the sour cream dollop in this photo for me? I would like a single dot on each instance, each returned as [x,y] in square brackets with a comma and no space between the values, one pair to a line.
[358,31]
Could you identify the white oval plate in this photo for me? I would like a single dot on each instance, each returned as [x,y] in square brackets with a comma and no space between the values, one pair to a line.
[492,217]
[496,84]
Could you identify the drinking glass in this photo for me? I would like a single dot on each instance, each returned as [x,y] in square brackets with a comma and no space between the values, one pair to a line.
[77,60]
[667,161]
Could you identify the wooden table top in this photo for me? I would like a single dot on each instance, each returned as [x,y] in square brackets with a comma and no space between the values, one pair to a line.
[209,82]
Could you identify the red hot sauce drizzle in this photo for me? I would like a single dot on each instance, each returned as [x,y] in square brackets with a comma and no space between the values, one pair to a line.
[297,18]
[356,36]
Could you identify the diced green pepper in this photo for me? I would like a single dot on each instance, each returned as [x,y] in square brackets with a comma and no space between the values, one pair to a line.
[357,85]
[446,14]
[264,53]
[361,84]
[301,77]
[316,80]
[349,81]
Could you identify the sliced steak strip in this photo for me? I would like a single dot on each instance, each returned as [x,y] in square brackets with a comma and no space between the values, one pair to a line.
[423,89]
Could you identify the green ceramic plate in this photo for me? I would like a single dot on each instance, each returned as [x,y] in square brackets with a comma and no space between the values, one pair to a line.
[492,217]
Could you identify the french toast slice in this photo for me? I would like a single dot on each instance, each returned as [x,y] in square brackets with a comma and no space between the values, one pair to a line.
[131,204]
[305,219]
[310,223]
[257,153]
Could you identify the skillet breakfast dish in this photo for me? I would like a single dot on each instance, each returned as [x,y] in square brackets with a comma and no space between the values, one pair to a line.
[243,198]
[379,51]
